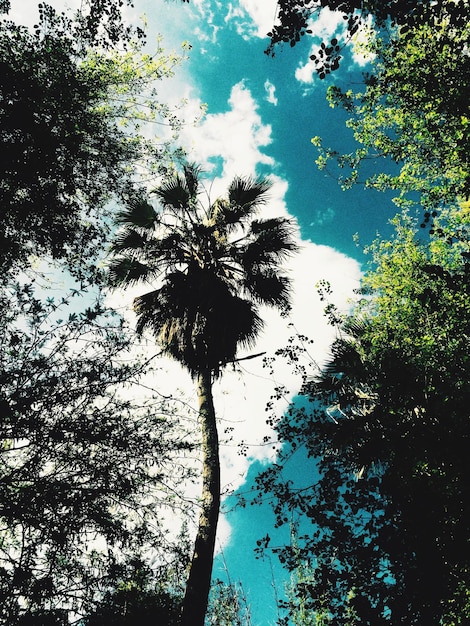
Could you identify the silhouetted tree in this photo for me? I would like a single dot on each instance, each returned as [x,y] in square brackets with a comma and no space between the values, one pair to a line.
[216,265]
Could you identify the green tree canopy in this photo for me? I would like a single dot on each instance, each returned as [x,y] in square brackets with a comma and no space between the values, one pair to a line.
[295,19]
[389,429]
[414,111]
[69,124]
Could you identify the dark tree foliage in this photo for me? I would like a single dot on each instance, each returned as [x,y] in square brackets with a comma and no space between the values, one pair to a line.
[82,455]
[385,527]
[62,159]
[73,99]
[142,597]
[293,19]
[96,23]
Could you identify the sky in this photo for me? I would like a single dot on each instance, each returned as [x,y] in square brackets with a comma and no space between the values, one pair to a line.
[261,115]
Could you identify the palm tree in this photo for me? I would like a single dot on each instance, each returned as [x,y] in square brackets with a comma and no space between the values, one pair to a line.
[214,265]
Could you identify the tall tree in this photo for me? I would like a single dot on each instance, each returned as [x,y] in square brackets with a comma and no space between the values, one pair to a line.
[389,428]
[216,264]
[84,454]
[66,113]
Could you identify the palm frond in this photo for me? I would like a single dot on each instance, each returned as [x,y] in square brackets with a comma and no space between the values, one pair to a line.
[129,240]
[356,327]
[168,250]
[192,174]
[275,236]
[125,271]
[216,268]
[268,287]
[180,191]
[174,193]
[138,214]
[342,374]
[197,320]
[245,195]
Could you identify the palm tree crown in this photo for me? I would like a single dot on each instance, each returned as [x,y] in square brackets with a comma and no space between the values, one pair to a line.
[214,265]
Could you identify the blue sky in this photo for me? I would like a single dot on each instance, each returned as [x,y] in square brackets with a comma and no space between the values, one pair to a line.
[261,115]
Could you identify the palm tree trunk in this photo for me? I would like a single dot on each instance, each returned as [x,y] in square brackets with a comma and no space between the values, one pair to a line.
[200,573]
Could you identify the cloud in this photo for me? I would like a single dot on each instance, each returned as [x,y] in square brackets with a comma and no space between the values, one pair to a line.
[237,136]
[323,216]
[270,92]
[262,14]
[253,384]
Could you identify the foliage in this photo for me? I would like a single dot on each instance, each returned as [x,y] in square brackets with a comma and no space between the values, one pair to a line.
[95,23]
[414,111]
[69,145]
[228,605]
[141,597]
[216,264]
[296,18]
[212,266]
[385,526]
[147,597]
[84,454]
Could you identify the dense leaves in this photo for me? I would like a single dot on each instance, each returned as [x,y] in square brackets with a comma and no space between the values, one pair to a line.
[216,264]
[389,428]
[414,111]
[83,454]
[296,18]
[142,597]
[66,153]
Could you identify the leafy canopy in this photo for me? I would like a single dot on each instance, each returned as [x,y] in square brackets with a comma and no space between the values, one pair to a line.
[414,112]
[215,265]
[387,430]
[295,19]
[84,454]
[70,123]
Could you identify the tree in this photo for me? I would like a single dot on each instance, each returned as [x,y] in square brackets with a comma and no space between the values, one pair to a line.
[295,19]
[141,597]
[96,22]
[215,265]
[69,123]
[84,455]
[228,605]
[388,427]
[414,112]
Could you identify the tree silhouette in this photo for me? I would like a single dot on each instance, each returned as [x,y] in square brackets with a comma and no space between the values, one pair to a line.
[214,266]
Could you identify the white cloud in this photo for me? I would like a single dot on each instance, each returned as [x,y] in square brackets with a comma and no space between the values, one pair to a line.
[270,92]
[253,386]
[237,136]
[263,14]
